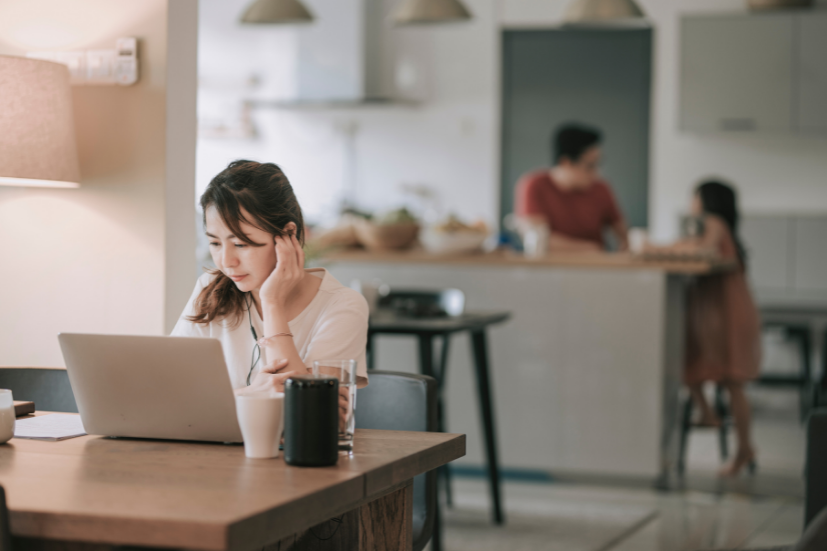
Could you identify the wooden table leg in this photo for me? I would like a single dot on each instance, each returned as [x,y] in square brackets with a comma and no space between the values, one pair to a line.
[480,349]
[386,524]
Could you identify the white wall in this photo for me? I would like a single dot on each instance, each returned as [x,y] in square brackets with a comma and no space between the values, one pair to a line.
[94,259]
[451,141]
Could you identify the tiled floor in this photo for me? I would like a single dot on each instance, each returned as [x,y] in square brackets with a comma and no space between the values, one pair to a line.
[761,511]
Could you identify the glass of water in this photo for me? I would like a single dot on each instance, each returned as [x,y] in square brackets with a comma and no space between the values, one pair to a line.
[345,371]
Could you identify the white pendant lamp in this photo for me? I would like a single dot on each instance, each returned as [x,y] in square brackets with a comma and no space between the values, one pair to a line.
[418,12]
[276,12]
[601,11]
[37,131]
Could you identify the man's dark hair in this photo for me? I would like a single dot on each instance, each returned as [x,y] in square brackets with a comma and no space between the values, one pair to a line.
[572,140]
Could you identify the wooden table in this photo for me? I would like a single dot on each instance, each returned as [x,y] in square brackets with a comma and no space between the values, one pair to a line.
[104,492]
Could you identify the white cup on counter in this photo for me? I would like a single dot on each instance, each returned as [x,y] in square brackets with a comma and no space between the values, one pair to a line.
[535,241]
[261,419]
[638,239]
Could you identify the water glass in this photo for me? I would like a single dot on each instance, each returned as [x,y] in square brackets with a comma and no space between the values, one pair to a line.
[345,371]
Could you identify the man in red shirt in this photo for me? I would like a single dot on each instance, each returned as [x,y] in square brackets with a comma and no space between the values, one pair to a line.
[570,198]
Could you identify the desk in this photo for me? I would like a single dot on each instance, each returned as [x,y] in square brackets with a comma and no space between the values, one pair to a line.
[104,492]
[425,330]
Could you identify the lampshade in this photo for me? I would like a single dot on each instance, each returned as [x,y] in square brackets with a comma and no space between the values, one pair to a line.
[415,12]
[590,11]
[37,131]
[275,12]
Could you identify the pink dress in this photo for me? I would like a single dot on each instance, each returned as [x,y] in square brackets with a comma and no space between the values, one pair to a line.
[723,327]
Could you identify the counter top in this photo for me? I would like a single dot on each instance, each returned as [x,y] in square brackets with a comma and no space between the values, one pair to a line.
[500,258]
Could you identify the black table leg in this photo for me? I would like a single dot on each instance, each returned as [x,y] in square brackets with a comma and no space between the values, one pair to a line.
[480,349]
[371,352]
[443,365]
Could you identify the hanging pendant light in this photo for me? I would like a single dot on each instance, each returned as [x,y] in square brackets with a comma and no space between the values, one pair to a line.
[276,12]
[601,11]
[418,12]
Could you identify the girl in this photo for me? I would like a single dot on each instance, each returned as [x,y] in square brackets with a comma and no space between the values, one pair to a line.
[723,328]
[273,317]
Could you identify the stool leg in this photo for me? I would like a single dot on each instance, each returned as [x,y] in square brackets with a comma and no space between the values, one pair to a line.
[686,424]
[371,352]
[443,365]
[723,413]
[480,349]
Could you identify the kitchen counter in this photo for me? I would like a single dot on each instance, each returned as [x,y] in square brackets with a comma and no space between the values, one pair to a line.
[585,376]
[618,261]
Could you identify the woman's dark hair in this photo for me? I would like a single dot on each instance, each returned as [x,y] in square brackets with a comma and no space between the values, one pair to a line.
[572,140]
[263,191]
[721,200]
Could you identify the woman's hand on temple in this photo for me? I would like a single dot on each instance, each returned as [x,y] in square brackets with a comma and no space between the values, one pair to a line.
[288,273]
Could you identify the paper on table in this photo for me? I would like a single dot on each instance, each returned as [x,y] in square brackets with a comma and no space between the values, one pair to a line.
[55,426]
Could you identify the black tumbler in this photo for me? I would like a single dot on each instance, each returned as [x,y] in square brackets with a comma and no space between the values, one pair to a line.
[311,421]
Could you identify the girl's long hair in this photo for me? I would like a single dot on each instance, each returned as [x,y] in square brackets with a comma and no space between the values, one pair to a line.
[263,191]
[721,200]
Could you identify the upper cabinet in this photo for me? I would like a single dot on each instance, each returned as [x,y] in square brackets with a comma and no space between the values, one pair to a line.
[811,107]
[763,72]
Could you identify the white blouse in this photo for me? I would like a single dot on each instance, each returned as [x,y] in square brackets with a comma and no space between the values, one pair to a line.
[334,326]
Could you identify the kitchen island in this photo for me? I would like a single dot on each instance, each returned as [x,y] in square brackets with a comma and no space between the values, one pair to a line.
[586,376]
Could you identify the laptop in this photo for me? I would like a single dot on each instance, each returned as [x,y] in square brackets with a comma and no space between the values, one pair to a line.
[175,388]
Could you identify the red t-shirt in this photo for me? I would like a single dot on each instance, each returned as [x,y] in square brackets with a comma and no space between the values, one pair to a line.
[580,214]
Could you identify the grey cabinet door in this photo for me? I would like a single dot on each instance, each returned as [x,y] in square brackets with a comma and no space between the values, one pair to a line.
[811,253]
[737,72]
[811,57]
[769,255]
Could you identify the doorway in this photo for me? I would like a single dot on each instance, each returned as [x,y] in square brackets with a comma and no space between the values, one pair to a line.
[599,77]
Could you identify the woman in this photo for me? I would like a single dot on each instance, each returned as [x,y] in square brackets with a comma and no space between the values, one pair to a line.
[723,328]
[273,317]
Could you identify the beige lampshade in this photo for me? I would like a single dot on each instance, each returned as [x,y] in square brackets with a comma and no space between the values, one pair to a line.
[590,11]
[37,131]
[276,12]
[417,12]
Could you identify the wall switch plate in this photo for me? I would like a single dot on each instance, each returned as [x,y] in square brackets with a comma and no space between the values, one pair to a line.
[99,67]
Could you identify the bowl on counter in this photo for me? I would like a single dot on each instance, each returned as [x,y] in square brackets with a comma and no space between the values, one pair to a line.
[384,237]
[437,241]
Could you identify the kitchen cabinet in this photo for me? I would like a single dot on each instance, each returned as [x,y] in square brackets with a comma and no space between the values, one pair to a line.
[767,239]
[737,72]
[810,258]
[811,69]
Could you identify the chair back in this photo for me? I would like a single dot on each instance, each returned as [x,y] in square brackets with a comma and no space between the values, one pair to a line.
[48,388]
[404,401]
[5,530]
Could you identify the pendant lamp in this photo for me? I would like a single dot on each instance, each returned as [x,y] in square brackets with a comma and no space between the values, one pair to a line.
[597,11]
[418,12]
[37,131]
[276,12]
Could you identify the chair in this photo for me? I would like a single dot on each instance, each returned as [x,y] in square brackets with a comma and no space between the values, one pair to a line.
[5,530]
[424,303]
[48,388]
[800,334]
[403,401]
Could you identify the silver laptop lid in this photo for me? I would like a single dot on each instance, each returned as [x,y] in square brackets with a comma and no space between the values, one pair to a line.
[151,387]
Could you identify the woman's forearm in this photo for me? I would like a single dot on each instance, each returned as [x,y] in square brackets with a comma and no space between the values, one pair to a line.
[280,347]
